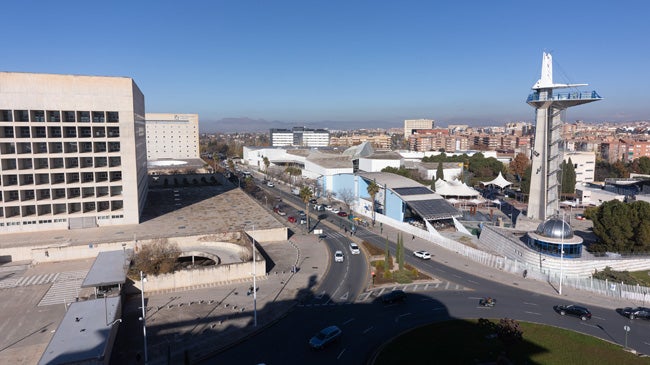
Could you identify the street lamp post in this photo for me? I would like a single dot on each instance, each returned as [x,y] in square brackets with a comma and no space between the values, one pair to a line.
[254,282]
[561,255]
[144,318]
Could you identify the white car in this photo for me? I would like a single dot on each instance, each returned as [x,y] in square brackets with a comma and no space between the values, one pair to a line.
[354,248]
[328,208]
[424,255]
[335,210]
[338,256]
[270,184]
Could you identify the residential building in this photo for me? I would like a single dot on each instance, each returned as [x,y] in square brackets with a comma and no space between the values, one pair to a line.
[172,136]
[72,151]
[428,139]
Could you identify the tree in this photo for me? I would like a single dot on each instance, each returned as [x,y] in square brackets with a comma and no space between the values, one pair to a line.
[440,174]
[348,198]
[621,227]
[231,165]
[400,252]
[387,256]
[292,171]
[373,189]
[519,164]
[641,165]
[567,179]
[306,194]
[525,180]
[157,257]
[266,164]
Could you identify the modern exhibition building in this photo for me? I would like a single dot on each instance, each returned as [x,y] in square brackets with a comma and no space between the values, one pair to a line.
[72,151]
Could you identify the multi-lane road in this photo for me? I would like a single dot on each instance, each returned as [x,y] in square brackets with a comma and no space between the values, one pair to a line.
[366,324]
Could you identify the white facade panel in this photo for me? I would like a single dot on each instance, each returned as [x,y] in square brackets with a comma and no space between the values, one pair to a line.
[172,136]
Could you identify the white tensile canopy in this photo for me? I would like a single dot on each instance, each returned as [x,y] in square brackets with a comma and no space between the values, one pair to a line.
[454,188]
[499,181]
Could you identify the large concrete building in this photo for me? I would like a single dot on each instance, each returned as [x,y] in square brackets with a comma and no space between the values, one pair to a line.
[411,124]
[172,136]
[72,151]
[300,137]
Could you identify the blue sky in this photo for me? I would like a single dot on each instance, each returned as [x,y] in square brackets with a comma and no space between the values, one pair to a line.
[295,61]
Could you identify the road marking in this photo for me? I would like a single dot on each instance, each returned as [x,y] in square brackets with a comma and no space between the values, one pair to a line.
[437,285]
[535,313]
[473,282]
[348,321]
[458,276]
[426,287]
[400,316]
[601,318]
[381,291]
[415,288]
[371,327]
[647,343]
[590,325]
[447,286]
[441,270]
[340,354]
[345,296]
[530,303]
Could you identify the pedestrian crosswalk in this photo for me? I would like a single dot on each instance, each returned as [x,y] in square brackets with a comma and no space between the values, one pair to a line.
[65,285]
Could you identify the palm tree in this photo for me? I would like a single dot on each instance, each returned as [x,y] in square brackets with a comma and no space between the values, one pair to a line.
[373,189]
[266,164]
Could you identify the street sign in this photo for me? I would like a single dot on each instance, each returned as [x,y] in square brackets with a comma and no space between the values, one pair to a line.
[626,328]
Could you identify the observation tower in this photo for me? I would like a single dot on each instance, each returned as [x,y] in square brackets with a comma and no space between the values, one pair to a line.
[550,108]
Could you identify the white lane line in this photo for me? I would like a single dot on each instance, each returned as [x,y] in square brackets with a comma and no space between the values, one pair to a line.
[340,354]
[458,276]
[368,329]
[348,321]
[601,318]
[535,313]
[441,270]
[400,316]
[447,286]
[647,343]
[473,282]
[527,303]
[426,287]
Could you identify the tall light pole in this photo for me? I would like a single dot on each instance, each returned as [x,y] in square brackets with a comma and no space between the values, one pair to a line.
[561,255]
[144,319]
[254,282]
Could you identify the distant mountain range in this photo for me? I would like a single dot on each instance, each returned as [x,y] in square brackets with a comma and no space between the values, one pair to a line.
[232,125]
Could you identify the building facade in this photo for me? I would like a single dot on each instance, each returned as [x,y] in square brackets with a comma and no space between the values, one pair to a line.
[172,136]
[300,137]
[72,151]
[412,124]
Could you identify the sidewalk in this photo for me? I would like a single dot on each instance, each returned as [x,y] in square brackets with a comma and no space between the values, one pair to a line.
[201,321]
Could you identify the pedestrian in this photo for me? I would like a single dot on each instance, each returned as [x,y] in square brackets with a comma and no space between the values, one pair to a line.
[525,273]
[412,238]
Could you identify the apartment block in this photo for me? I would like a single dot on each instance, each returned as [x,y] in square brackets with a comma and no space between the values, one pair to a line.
[172,136]
[412,124]
[72,151]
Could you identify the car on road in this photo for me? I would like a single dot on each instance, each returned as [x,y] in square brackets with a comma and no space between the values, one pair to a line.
[301,213]
[280,212]
[424,255]
[319,207]
[303,221]
[394,296]
[328,208]
[342,214]
[354,248]
[573,310]
[638,312]
[291,219]
[338,256]
[313,201]
[325,337]
[335,210]
[580,217]
[270,184]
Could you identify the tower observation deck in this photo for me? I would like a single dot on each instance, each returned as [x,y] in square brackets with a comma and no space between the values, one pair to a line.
[550,108]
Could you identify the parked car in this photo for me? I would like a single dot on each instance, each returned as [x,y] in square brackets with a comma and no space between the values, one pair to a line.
[270,184]
[335,210]
[303,221]
[638,312]
[319,207]
[354,248]
[424,255]
[573,310]
[580,217]
[325,336]
[313,201]
[291,219]
[342,214]
[280,212]
[301,213]
[328,208]
[394,296]
[338,256]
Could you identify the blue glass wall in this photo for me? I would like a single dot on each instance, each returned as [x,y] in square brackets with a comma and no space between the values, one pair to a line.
[553,249]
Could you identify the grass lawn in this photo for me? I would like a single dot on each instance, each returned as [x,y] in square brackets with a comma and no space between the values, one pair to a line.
[642,277]
[465,342]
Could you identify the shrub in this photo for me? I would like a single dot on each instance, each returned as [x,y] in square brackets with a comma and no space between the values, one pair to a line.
[157,257]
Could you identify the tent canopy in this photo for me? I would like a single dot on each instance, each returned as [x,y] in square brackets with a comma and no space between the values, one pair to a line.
[499,181]
[454,188]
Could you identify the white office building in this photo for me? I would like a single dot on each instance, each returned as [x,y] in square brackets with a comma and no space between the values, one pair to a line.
[172,136]
[72,151]
[300,137]
[281,137]
[584,164]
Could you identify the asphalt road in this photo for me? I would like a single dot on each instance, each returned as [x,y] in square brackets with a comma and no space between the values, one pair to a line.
[368,325]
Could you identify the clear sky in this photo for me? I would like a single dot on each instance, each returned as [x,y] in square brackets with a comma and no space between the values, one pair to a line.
[308,60]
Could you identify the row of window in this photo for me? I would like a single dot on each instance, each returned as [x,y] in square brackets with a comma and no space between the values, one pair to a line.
[9,196]
[58,116]
[53,163]
[18,132]
[59,178]
[64,208]
[37,148]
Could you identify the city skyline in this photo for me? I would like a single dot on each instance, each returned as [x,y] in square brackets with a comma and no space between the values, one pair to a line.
[305,63]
